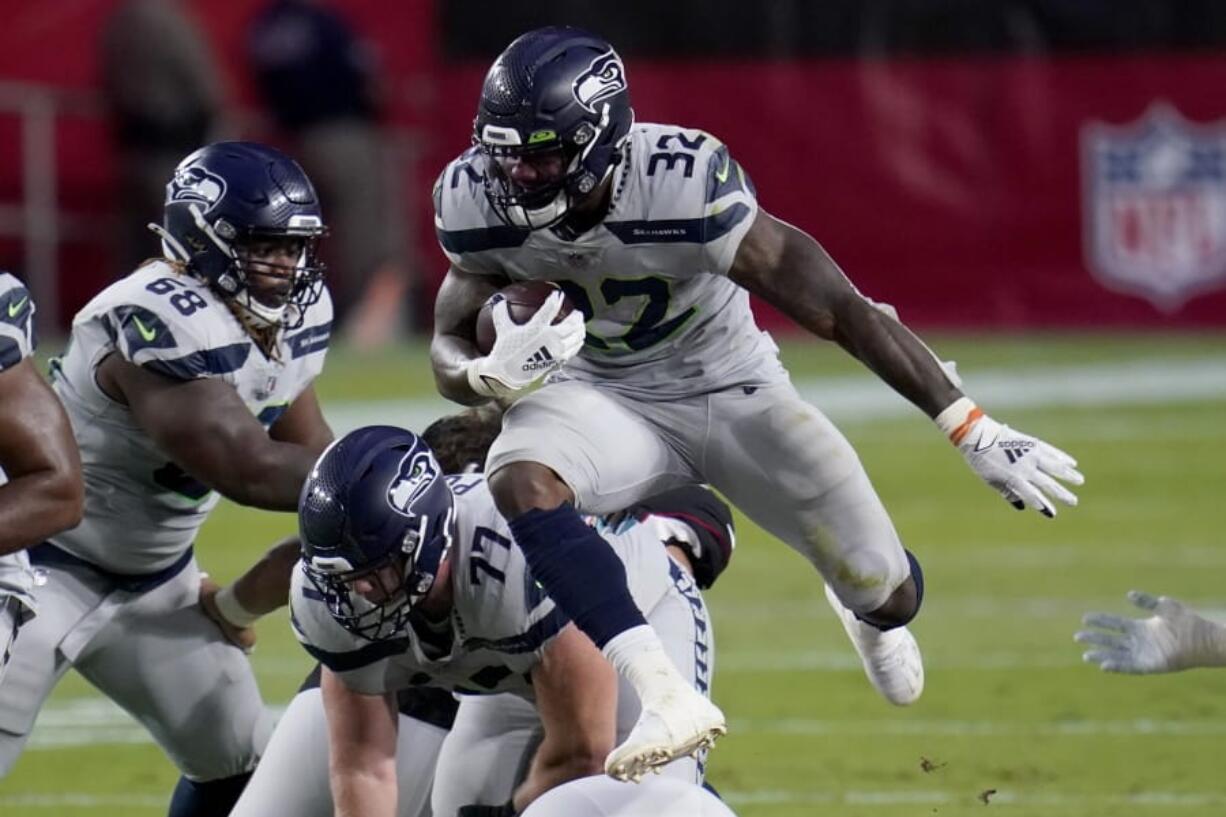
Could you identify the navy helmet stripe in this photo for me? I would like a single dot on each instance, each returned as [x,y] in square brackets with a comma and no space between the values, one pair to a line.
[206,363]
[482,238]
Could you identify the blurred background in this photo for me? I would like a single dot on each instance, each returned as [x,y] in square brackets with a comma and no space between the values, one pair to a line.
[1039,186]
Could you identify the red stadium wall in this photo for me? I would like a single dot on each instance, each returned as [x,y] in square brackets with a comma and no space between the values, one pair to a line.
[952,188]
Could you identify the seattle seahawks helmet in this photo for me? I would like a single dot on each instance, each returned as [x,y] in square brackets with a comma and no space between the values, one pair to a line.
[558,97]
[227,195]
[375,507]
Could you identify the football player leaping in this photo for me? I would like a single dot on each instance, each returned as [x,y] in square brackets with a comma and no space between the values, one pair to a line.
[40,469]
[187,379]
[655,233]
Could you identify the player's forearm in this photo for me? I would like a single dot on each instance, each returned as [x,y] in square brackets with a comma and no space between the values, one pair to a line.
[265,586]
[450,356]
[792,272]
[34,507]
[554,765]
[270,476]
[364,792]
[894,354]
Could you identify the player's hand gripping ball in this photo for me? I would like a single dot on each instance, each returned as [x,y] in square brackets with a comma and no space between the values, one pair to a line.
[523,299]
[524,332]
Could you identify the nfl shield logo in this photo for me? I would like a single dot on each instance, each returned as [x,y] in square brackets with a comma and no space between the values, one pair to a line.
[1155,206]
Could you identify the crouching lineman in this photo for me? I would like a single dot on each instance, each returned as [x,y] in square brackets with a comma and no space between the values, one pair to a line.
[410,579]
[189,378]
[292,777]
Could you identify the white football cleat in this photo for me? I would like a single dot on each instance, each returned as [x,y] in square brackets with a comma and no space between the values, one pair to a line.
[891,658]
[678,723]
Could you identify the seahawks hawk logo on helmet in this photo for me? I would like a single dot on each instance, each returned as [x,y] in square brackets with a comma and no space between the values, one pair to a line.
[418,471]
[604,78]
[196,184]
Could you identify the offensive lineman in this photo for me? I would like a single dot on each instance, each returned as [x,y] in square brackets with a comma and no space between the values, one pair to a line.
[655,234]
[293,772]
[40,469]
[187,379]
[411,579]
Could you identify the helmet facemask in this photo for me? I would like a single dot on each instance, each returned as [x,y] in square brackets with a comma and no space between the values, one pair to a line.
[276,291]
[577,165]
[374,601]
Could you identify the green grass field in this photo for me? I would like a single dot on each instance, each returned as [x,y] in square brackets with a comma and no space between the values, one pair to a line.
[1009,707]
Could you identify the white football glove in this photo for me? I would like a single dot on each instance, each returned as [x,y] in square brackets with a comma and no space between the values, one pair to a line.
[1172,639]
[524,353]
[1023,469]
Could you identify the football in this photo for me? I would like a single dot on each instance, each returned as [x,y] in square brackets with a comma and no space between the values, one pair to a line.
[523,299]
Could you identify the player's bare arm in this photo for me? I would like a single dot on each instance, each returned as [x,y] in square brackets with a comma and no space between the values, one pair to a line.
[265,586]
[362,749]
[303,424]
[453,346]
[44,494]
[576,696]
[225,447]
[791,271]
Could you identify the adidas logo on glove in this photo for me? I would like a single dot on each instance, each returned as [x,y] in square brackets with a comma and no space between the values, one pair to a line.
[541,360]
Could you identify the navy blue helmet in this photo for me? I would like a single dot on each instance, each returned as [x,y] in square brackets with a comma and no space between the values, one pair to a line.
[556,98]
[224,198]
[375,507]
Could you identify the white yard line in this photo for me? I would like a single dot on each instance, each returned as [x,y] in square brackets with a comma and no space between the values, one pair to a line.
[1002,797]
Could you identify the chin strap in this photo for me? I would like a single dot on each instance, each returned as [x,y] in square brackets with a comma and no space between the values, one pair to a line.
[262,332]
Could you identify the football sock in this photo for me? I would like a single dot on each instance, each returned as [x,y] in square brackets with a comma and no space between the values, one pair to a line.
[579,571]
[210,798]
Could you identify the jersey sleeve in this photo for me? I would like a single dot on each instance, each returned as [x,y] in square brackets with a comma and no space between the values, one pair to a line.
[362,666]
[310,341]
[467,228]
[730,206]
[17,338]
[167,325]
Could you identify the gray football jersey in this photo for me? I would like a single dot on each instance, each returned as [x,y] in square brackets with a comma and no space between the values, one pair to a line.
[142,511]
[501,621]
[16,344]
[663,319]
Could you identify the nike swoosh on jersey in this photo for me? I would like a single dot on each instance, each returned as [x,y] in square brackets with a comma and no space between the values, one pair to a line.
[145,332]
[15,308]
[722,175]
